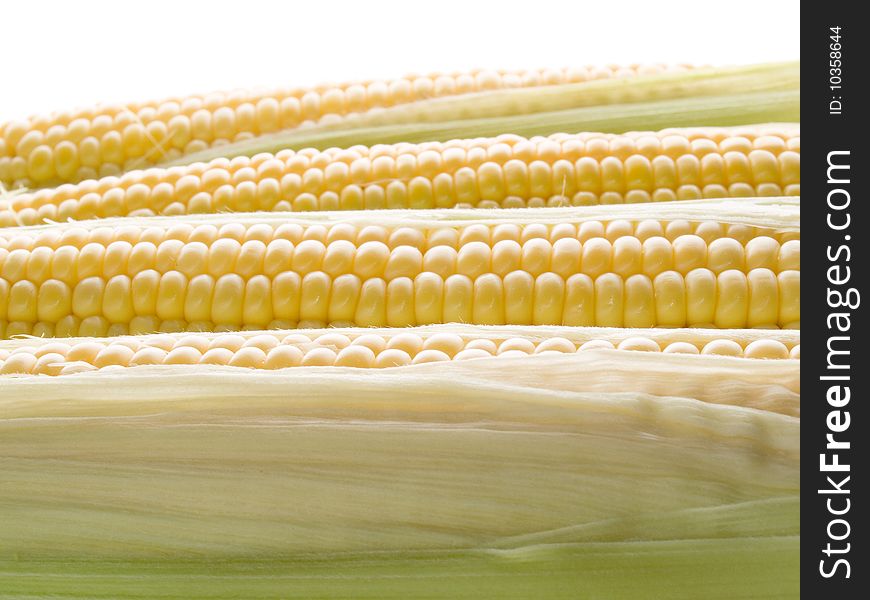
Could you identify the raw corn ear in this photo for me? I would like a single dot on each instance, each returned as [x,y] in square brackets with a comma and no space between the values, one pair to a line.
[724,264]
[696,98]
[179,132]
[723,110]
[677,361]
[504,471]
[376,348]
[507,171]
[106,140]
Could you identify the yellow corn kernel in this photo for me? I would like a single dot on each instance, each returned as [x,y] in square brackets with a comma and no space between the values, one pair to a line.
[383,349]
[443,179]
[66,279]
[146,132]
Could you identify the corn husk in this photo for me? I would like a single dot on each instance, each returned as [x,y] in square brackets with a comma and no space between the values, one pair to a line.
[488,477]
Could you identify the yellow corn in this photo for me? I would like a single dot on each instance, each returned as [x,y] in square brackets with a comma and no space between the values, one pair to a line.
[224,275]
[360,349]
[106,140]
[698,97]
[508,171]
[194,469]
[591,315]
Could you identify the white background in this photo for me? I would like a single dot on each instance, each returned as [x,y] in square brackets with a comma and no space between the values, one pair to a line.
[65,54]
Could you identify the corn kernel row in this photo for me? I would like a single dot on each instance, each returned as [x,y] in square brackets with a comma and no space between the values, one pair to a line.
[150,301]
[507,171]
[106,140]
[627,255]
[422,238]
[53,280]
[281,350]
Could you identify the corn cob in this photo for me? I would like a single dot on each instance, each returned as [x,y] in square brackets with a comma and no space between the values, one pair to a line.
[223,275]
[65,148]
[556,349]
[506,470]
[105,140]
[725,111]
[366,349]
[730,96]
[508,171]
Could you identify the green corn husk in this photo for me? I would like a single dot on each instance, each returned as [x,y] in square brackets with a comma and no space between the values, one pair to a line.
[435,480]
[701,97]
[751,567]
